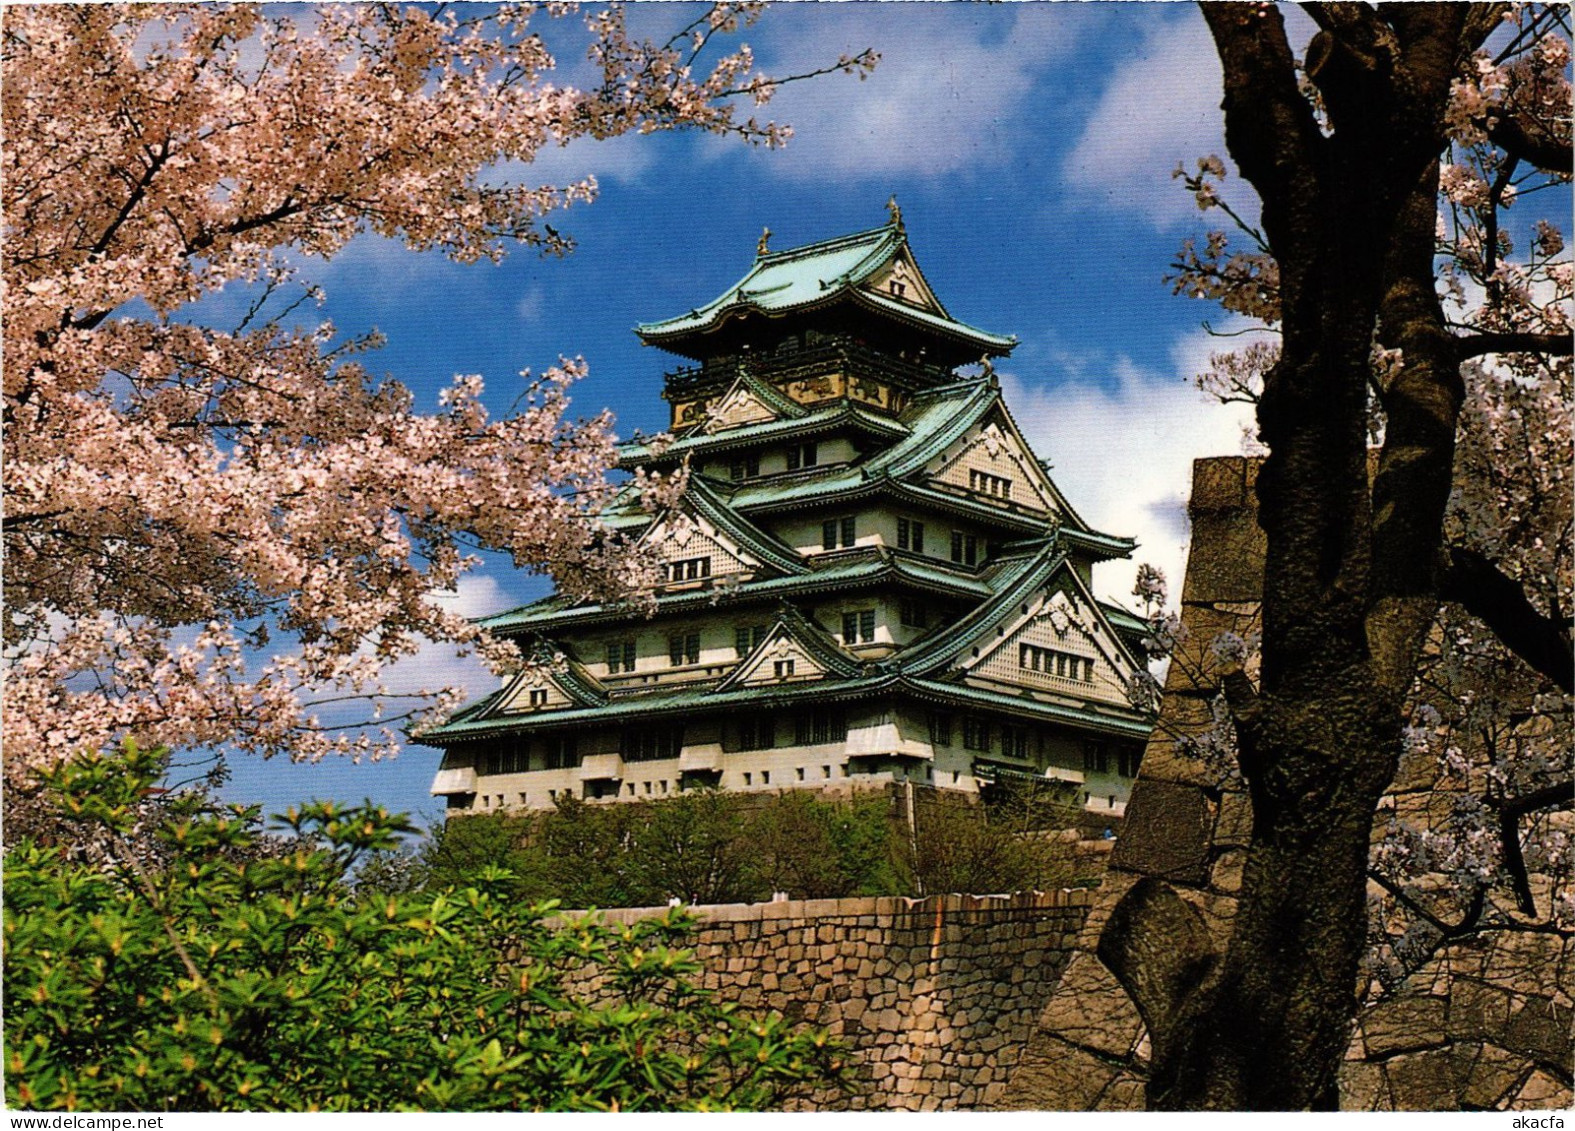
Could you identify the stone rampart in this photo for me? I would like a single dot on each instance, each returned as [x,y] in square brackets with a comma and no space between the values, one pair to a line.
[935,998]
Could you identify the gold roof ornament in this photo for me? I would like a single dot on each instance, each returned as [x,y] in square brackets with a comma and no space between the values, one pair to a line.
[762,247]
[895,212]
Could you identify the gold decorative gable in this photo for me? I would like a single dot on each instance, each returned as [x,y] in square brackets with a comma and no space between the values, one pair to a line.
[736,408]
[992,462]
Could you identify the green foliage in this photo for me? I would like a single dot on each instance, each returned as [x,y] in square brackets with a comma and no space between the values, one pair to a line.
[1010,845]
[822,850]
[712,847]
[215,981]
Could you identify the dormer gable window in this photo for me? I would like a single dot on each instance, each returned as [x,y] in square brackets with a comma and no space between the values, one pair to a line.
[997,486]
[687,569]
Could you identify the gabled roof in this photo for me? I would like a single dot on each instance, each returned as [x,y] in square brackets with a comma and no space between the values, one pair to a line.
[807,422]
[746,387]
[749,537]
[817,275]
[855,571]
[936,653]
[815,642]
[1029,567]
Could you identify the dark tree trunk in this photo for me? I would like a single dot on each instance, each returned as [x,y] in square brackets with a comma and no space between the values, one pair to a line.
[1351,576]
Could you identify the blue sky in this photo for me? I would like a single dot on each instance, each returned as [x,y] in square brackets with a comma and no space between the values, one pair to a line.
[1030,146]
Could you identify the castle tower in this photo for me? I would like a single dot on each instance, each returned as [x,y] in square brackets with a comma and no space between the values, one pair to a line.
[873,578]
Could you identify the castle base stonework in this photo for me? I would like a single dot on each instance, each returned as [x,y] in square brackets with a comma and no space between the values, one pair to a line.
[935,998]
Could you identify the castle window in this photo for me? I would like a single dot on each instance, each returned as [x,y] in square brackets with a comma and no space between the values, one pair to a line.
[746,638]
[620,656]
[837,532]
[1014,742]
[1096,757]
[744,467]
[802,455]
[509,756]
[561,752]
[965,548]
[910,535]
[538,697]
[684,649]
[859,627]
[1031,657]
[1128,759]
[782,668]
[757,732]
[913,613]
[687,569]
[812,728]
[976,734]
[986,484]
[940,729]
[651,743]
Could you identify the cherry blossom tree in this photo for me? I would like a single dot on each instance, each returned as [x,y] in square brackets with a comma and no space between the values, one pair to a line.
[216,536]
[1414,416]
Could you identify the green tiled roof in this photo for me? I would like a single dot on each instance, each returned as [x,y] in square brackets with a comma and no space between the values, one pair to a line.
[780,282]
[1123,620]
[749,537]
[844,414]
[1018,577]
[855,571]
[471,724]
[656,704]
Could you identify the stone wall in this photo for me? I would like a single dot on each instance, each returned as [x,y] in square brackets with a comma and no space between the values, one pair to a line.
[1485,1023]
[935,997]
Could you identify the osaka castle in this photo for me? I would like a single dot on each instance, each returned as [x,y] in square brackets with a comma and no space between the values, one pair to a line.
[873,578]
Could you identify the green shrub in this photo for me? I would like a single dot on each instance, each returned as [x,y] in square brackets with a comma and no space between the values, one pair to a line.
[710,846]
[214,981]
[818,849]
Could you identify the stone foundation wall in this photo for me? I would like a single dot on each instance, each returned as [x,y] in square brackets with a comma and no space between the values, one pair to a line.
[936,997]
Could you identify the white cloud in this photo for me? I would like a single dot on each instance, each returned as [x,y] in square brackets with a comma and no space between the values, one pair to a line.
[625,158]
[943,100]
[1122,453]
[1160,108]
[531,303]
[437,666]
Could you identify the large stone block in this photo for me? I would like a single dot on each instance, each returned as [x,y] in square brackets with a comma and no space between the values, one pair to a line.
[1167,832]
[1056,1076]
[1495,1075]
[1433,1080]
[1542,1091]
[1091,1009]
[1404,1024]
[1364,1087]
[1541,1030]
